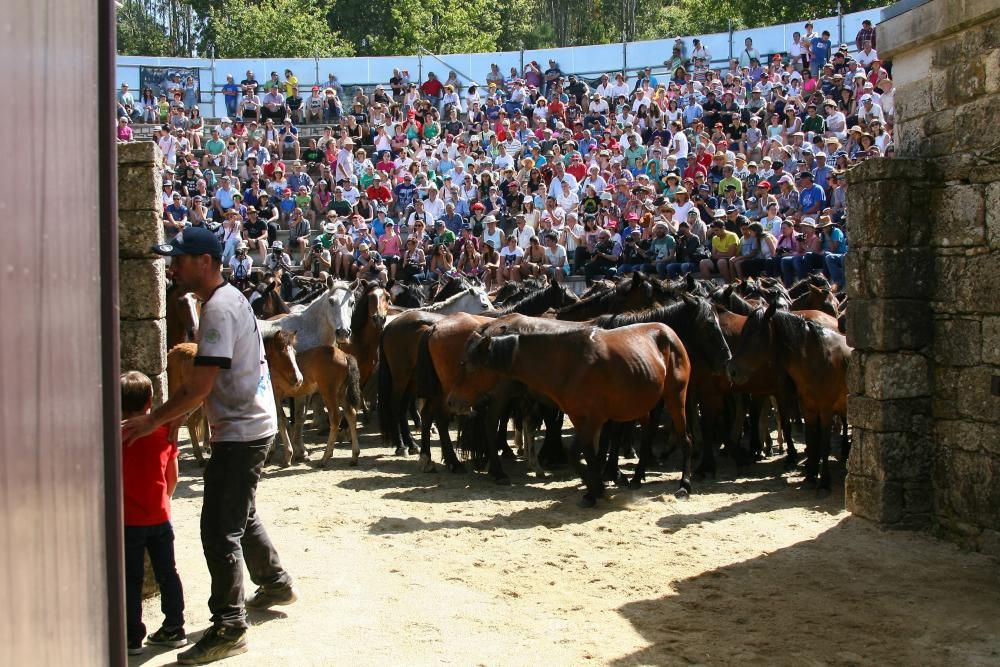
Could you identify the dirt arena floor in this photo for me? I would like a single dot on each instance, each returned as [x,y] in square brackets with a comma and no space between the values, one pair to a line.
[398,567]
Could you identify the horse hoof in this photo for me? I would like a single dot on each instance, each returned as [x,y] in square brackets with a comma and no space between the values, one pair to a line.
[587,501]
[621,481]
[791,462]
[353,462]
[682,494]
[400,451]
[508,454]
[540,474]
[413,450]
[321,463]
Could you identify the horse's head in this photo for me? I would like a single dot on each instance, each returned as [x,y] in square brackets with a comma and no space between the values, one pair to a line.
[706,333]
[279,347]
[340,301]
[560,295]
[377,301]
[754,346]
[476,301]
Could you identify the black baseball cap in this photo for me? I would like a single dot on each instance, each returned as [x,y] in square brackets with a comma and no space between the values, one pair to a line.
[191,241]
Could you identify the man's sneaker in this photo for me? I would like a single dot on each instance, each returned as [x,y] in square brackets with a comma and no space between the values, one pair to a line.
[135,648]
[264,598]
[171,638]
[217,643]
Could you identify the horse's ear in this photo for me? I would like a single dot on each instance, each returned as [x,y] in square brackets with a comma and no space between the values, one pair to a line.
[690,281]
[727,291]
[689,299]
[815,289]
[771,309]
[329,282]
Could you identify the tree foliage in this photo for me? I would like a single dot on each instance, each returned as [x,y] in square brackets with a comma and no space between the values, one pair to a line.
[308,28]
[272,28]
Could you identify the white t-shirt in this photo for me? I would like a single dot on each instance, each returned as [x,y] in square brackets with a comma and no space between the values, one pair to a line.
[240,407]
[679,145]
[509,257]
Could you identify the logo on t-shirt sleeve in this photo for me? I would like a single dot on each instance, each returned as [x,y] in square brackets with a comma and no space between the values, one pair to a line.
[212,336]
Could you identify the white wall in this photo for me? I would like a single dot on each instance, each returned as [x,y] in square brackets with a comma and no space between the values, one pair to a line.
[586,60]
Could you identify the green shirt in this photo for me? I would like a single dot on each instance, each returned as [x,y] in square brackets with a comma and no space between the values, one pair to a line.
[814,124]
[732,180]
[341,208]
[663,249]
[215,146]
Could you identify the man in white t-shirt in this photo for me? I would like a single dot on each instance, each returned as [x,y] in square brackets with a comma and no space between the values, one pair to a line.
[230,377]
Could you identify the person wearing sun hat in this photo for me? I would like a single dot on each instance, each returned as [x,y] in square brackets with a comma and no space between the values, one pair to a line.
[230,378]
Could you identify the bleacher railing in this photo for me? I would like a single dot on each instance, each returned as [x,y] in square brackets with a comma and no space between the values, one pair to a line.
[584,61]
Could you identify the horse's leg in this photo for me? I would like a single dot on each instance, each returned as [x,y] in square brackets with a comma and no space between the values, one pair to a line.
[426,420]
[553,449]
[194,430]
[711,424]
[285,458]
[825,427]
[588,436]
[779,426]
[845,440]
[418,421]
[528,432]
[673,402]
[812,434]
[443,421]
[298,445]
[352,425]
[607,454]
[316,403]
[648,428]
[333,415]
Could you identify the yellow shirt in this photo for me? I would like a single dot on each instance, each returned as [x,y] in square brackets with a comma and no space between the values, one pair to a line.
[290,82]
[725,243]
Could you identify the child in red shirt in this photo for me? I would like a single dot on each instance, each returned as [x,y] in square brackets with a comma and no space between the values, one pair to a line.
[149,467]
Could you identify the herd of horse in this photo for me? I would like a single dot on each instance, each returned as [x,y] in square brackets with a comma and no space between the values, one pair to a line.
[707,361]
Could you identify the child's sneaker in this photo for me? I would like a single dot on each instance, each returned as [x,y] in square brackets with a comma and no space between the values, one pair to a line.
[135,648]
[171,638]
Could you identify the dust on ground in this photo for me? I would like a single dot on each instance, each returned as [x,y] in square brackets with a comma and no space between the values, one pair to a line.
[399,567]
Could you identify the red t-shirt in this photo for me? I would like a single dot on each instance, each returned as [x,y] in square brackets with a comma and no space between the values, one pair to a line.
[144,468]
[432,87]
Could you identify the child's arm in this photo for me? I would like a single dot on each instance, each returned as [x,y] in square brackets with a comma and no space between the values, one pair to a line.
[171,476]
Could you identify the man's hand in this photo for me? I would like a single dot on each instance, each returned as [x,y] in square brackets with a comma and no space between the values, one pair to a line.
[134,428]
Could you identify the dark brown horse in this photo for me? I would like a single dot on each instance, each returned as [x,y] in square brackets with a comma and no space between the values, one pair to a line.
[367,323]
[815,358]
[637,292]
[265,300]
[594,376]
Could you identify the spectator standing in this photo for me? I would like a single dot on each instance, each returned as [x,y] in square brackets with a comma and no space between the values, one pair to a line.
[866,34]
[230,377]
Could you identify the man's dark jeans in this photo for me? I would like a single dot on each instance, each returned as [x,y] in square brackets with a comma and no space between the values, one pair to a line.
[232,532]
[159,541]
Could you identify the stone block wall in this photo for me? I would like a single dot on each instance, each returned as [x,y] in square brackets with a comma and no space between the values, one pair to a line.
[924,315]
[141,274]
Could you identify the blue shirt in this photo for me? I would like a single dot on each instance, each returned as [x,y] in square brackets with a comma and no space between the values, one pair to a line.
[821,50]
[810,196]
[835,234]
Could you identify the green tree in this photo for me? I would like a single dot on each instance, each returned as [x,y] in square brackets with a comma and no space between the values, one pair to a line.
[138,33]
[273,29]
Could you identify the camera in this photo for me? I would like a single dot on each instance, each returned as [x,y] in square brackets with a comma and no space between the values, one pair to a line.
[800,237]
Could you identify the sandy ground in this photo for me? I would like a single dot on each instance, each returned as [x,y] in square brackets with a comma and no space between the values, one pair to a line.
[398,567]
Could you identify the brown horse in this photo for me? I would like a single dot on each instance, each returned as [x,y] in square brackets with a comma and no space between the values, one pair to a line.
[594,376]
[183,311]
[815,358]
[398,352]
[265,300]
[280,353]
[333,374]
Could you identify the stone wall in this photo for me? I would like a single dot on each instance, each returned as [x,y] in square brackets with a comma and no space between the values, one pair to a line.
[924,314]
[142,278]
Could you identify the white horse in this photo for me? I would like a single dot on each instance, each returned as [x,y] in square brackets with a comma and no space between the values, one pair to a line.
[472,300]
[324,322]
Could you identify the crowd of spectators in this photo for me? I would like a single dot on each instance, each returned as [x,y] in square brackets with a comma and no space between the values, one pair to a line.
[725,172]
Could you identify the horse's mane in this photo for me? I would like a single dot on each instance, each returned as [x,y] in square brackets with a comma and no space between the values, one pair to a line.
[605,298]
[449,288]
[537,301]
[502,350]
[792,332]
[670,314]
[410,297]
[360,317]
[441,305]
[733,302]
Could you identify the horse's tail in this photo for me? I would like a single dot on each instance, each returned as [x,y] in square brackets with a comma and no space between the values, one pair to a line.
[388,415]
[353,383]
[427,381]
[474,438]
